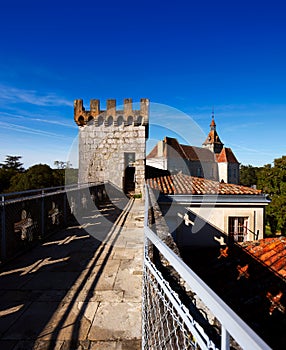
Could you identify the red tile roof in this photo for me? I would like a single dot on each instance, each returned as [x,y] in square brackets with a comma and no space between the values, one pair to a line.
[153,153]
[269,251]
[175,149]
[213,123]
[185,184]
[212,138]
[198,154]
[226,156]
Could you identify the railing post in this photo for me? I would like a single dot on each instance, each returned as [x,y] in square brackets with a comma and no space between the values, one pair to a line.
[65,208]
[3,229]
[224,338]
[43,214]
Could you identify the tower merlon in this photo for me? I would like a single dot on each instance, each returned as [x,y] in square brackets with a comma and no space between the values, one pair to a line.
[111,107]
[79,112]
[139,116]
[127,107]
[94,107]
[144,107]
[78,106]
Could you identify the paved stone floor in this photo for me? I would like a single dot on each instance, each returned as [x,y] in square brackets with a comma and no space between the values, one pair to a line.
[80,289]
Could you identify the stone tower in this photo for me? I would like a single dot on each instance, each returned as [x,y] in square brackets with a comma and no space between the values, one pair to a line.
[112,143]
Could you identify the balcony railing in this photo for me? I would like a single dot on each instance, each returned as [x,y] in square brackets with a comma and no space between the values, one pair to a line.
[28,217]
[169,324]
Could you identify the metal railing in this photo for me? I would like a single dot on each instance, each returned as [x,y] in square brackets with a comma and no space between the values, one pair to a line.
[28,217]
[168,324]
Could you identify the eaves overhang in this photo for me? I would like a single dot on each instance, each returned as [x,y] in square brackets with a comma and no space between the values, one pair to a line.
[230,200]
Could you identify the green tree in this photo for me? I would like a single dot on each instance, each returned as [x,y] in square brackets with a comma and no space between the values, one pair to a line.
[71,176]
[64,174]
[12,163]
[11,167]
[248,175]
[272,180]
[59,164]
[5,177]
[37,176]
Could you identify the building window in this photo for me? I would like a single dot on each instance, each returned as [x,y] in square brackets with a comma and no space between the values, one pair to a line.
[129,159]
[100,120]
[120,120]
[238,228]
[109,121]
[130,120]
[199,172]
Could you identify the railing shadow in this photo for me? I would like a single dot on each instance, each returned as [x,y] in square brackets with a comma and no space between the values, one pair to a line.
[40,289]
[237,277]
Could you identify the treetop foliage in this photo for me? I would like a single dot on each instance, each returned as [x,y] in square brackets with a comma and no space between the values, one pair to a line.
[14,178]
[12,163]
[271,179]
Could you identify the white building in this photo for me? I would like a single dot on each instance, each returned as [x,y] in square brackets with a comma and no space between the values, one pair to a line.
[211,161]
[203,212]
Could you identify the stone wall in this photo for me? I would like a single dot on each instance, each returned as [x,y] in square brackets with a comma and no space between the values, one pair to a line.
[111,141]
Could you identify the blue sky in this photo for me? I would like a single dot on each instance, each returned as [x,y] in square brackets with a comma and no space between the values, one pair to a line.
[190,55]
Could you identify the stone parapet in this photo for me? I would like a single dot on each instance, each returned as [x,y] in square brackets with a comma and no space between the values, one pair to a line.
[125,116]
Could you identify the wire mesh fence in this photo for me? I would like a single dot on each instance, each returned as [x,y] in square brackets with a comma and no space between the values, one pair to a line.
[163,328]
[167,322]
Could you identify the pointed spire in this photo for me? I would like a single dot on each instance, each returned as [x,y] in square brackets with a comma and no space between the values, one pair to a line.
[213,124]
[213,141]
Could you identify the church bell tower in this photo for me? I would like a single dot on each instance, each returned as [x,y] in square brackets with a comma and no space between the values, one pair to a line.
[213,142]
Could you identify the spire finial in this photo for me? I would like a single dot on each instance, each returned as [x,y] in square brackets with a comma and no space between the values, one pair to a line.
[213,125]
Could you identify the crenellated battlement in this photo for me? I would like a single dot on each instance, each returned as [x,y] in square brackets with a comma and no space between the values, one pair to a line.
[127,116]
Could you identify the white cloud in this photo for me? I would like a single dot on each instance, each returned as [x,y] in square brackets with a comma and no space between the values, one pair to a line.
[24,129]
[11,116]
[15,95]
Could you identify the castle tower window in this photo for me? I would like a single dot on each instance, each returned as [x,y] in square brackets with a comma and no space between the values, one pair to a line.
[109,121]
[100,120]
[139,120]
[130,120]
[81,120]
[120,120]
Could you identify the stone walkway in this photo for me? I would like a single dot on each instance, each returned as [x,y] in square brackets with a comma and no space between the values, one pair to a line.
[81,289]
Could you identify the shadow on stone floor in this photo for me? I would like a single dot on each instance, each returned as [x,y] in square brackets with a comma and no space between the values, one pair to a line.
[46,295]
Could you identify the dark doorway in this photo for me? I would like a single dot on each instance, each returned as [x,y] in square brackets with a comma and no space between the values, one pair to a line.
[129,173]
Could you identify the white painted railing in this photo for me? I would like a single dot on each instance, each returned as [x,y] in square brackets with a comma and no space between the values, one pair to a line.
[159,300]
